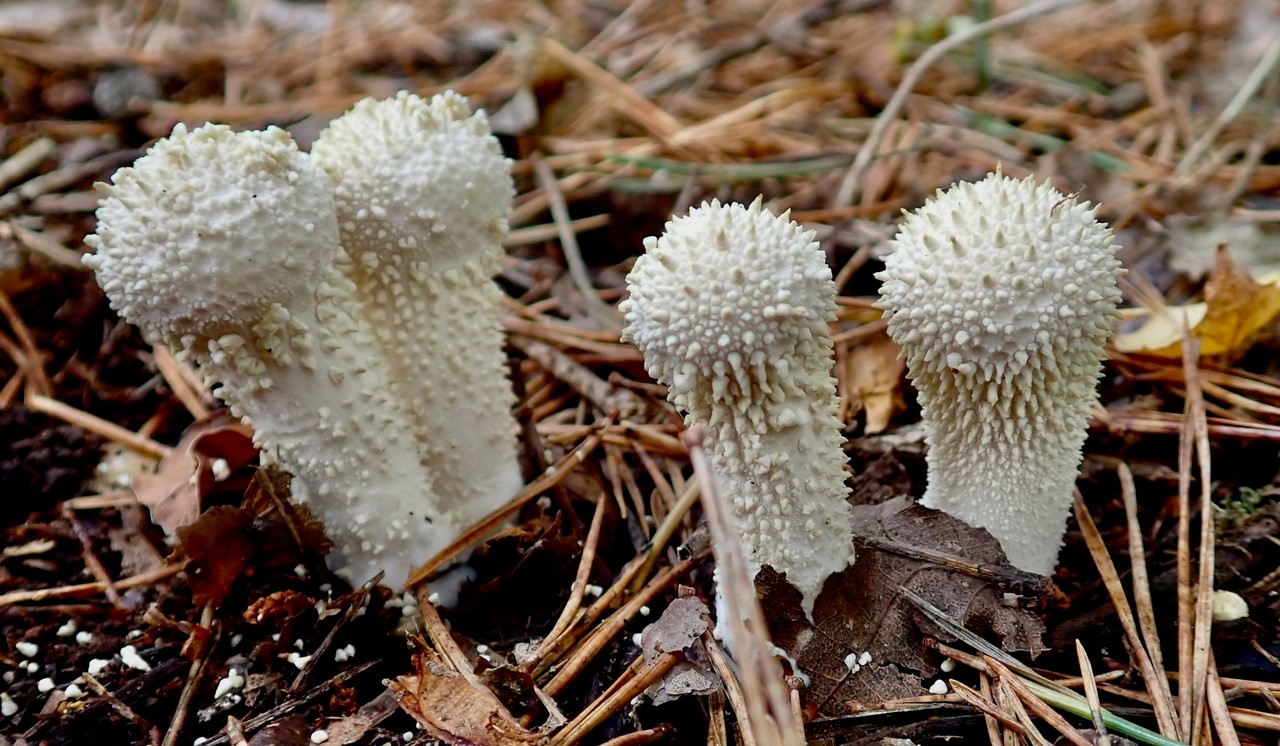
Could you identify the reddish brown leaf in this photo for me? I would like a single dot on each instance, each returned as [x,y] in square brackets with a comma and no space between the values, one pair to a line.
[176,492]
[218,549]
[861,615]
[290,529]
[451,709]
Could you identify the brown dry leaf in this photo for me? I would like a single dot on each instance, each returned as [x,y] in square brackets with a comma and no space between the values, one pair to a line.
[861,613]
[1235,307]
[227,542]
[347,730]
[451,709]
[680,629]
[218,548]
[291,529]
[290,730]
[176,492]
[875,375]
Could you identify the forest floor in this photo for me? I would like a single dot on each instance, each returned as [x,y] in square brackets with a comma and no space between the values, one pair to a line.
[120,627]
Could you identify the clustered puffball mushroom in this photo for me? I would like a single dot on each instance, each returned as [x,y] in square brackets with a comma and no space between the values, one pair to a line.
[224,246]
[731,309]
[344,303]
[423,193]
[1001,294]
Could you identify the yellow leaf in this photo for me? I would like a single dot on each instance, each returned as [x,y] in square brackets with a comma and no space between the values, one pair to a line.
[1235,307]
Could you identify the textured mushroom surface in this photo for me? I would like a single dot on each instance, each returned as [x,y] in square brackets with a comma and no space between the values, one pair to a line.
[224,246]
[1002,294]
[423,194]
[731,309]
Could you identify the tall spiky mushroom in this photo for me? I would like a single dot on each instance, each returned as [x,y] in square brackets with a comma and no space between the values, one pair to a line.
[423,194]
[224,246]
[731,309]
[1002,293]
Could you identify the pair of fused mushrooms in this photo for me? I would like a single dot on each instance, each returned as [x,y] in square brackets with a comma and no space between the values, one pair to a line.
[343,303]
[1001,294]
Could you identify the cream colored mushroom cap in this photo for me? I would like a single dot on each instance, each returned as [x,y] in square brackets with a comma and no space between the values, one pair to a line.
[726,288]
[212,228]
[429,171]
[991,276]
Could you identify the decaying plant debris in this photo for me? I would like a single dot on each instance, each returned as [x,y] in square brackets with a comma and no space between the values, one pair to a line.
[197,605]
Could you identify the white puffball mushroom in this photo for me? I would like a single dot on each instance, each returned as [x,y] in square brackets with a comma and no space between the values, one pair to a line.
[423,193]
[731,309]
[1228,606]
[224,246]
[1002,293]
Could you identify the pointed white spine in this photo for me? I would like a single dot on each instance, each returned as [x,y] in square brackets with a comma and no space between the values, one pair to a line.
[1001,293]
[423,194]
[731,309]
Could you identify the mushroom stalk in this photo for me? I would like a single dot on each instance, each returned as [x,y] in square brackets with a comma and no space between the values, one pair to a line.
[423,194]
[731,309]
[224,247]
[1002,293]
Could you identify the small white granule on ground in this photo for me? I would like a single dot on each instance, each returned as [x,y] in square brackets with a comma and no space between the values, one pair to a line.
[28,649]
[593,590]
[45,685]
[938,687]
[129,656]
[199,741]
[1228,606]
[645,611]
[73,692]
[319,737]
[299,661]
[97,664]
[231,683]
[865,658]
[344,654]
[33,667]
[84,638]
[67,629]
[948,666]
[8,707]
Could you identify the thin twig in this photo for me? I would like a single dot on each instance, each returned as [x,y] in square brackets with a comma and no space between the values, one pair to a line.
[1091,695]
[98,426]
[1111,579]
[851,184]
[768,712]
[1257,76]
[604,314]
[1145,609]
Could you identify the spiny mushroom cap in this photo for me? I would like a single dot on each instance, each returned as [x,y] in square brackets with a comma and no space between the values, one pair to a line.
[731,310]
[423,193]
[209,227]
[728,291]
[426,171]
[1001,293]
